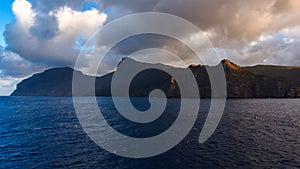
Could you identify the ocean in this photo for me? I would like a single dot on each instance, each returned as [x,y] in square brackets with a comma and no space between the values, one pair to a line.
[44,132]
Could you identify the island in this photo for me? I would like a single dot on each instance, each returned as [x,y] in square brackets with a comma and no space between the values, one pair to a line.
[242,82]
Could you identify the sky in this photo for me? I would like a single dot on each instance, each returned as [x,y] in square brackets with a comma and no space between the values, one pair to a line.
[6,17]
[37,35]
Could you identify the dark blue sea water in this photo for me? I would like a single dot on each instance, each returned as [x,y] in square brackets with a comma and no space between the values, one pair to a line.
[44,132]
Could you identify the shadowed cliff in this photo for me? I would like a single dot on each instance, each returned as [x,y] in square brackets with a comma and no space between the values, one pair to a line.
[242,82]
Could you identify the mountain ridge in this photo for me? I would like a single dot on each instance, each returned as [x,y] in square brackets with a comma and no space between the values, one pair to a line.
[242,82]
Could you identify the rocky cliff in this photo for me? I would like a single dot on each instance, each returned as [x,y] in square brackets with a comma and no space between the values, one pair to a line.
[242,82]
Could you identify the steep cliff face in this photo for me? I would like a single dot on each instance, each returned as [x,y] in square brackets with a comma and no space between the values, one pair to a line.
[288,74]
[241,83]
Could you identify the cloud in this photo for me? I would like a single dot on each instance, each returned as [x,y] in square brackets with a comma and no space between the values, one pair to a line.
[13,68]
[7,85]
[282,6]
[13,65]
[51,33]
[50,37]
[45,34]
[7,82]
[279,49]
[44,27]
[241,20]
[231,25]
[48,6]
[52,28]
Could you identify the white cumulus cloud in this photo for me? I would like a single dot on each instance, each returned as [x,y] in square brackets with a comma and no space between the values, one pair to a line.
[54,47]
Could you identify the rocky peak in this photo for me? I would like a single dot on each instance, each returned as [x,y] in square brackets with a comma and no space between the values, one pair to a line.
[227,64]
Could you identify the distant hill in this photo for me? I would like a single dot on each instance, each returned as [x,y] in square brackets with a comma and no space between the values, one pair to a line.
[242,82]
[52,82]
